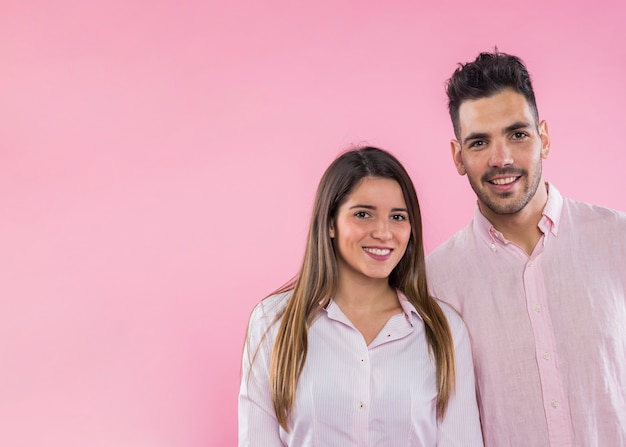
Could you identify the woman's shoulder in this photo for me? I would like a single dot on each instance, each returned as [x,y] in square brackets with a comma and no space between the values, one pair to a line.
[271,307]
[457,326]
[265,316]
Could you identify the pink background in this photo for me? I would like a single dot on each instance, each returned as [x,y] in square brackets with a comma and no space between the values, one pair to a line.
[159,159]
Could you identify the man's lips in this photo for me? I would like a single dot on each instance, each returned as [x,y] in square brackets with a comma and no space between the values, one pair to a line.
[503,177]
[503,180]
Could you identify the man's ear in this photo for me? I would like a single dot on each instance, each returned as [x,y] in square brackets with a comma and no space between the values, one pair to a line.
[545,139]
[455,148]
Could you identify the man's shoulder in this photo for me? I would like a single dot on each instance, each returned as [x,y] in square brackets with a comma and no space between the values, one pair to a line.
[588,213]
[455,247]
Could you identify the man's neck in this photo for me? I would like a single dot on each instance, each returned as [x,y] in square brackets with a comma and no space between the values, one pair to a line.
[521,228]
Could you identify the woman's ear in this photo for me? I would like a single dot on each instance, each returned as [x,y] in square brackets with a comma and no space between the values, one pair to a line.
[331,230]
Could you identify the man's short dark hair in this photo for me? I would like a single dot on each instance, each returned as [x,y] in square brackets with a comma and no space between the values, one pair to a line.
[487,75]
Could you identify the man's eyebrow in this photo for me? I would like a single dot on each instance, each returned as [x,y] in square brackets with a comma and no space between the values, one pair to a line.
[517,125]
[483,135]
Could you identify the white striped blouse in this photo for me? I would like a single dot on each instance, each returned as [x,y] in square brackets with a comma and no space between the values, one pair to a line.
[350,394]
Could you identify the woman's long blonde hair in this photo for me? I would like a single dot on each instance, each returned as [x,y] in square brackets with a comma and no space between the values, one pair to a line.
[317,280]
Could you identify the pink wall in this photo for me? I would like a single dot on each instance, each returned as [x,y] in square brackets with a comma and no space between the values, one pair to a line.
[158,161]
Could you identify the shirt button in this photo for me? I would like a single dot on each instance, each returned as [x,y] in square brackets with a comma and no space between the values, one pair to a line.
[546,356]
[362,405]
[362,360]
[530,263]
[554,403]
[537,308]
[493,247]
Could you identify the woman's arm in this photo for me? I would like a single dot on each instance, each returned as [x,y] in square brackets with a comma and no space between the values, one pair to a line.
[461,424]
[257,422]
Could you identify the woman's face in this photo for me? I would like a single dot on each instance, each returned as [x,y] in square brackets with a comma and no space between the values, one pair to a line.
[371,230]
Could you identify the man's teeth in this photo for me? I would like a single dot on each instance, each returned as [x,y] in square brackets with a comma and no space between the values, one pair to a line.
[378,251]
[503,181]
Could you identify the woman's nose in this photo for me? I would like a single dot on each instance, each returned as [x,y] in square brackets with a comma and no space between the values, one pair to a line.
[382,230]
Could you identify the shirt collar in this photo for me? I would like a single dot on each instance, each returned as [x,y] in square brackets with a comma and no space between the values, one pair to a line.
[333,311]
[552,211]
[408,308]
[550,219]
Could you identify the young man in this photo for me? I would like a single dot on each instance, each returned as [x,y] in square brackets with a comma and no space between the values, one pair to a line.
[539,279]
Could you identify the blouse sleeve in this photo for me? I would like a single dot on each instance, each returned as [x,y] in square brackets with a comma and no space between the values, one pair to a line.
[461,423]
[258,425]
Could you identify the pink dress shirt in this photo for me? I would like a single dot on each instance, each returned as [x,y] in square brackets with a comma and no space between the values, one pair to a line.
[548,331]
[351,394]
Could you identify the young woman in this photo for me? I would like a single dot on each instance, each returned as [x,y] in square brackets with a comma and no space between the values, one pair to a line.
[353,351]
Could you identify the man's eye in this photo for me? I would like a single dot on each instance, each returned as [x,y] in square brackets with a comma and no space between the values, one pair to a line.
[478,144]
[519,135]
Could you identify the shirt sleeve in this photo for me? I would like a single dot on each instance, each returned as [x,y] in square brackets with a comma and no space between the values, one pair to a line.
[461,423]
[258,425]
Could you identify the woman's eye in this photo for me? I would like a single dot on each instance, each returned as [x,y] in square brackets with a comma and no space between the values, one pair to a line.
[399,217]
[361,214]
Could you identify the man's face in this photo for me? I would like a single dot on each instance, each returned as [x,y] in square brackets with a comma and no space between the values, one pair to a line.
[500,149]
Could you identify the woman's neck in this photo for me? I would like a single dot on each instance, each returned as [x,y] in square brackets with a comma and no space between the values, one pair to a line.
[367,295]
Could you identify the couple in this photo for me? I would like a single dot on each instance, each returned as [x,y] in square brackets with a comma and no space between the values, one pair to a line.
[357,352]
